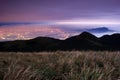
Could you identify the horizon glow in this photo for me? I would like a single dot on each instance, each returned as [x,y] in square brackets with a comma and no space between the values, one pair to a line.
[73,22]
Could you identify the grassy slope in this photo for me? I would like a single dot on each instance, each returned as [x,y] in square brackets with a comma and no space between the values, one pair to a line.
[60,65]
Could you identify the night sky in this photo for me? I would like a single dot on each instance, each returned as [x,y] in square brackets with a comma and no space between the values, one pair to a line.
[56,18]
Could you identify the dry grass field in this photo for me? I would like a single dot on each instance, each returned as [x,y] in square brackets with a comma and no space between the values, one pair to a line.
[60,65]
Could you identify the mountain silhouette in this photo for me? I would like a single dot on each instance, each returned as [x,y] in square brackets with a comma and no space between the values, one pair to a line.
[83,41]
[99,30]
[112,41]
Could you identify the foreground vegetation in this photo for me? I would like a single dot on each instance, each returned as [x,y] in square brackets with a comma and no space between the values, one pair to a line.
[60,65]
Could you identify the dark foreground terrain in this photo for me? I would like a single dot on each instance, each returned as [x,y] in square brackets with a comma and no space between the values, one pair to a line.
[60,65]
[84,41]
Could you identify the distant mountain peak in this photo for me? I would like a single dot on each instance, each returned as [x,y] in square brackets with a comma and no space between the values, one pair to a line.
[103,28]
[99,30]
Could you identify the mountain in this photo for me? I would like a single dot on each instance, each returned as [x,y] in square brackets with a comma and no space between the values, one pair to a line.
[112,41]
[83,41]
[99,30]
[36,44]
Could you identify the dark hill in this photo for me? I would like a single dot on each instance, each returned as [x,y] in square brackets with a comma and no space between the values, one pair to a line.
[36,44]
[112,41]
[42,43]
[85,36]
[84,41]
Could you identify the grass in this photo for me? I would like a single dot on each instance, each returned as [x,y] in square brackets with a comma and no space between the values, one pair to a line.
[60,65]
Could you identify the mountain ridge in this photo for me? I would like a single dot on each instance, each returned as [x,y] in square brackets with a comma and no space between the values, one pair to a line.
[83,41]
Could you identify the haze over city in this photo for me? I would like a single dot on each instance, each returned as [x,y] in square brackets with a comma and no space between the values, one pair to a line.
[26,19]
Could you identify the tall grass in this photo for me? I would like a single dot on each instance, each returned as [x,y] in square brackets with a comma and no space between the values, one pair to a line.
[60,65]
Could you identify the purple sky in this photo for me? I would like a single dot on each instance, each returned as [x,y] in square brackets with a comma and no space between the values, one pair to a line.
[37,10]
[61,18]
